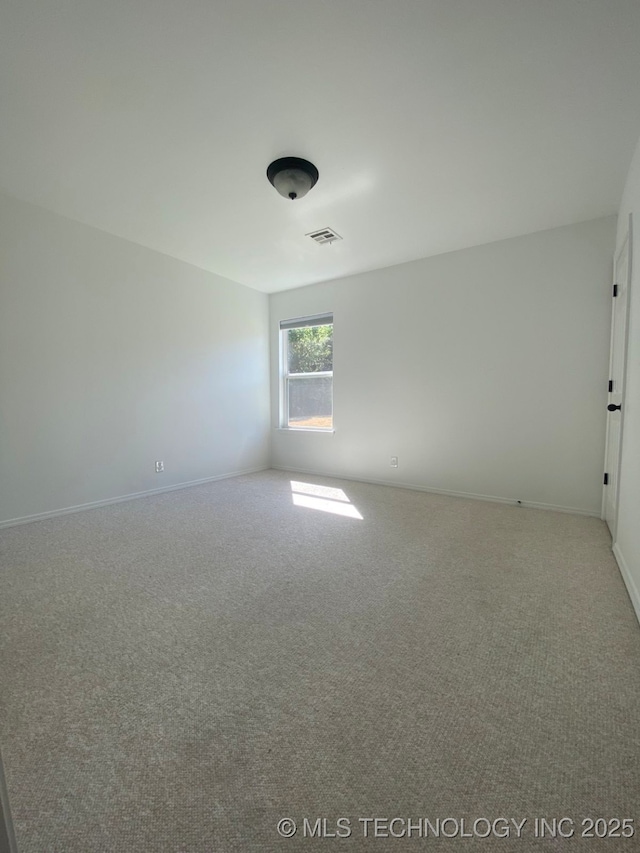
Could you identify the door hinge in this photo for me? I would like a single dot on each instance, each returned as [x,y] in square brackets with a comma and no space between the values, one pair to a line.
[610,385]
[615,289]
[606,479]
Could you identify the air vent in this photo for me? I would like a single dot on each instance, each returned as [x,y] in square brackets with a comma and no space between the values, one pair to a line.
[324,235]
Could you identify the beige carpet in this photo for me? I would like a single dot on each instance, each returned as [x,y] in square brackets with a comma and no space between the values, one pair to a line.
[180,672]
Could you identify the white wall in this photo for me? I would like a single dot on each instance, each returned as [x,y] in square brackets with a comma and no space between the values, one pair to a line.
[627,545]
[483,370]
[113,356]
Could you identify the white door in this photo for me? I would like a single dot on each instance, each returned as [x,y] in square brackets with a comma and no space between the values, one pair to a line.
[622,278]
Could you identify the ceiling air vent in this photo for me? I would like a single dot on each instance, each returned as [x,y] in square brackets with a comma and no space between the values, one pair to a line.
[324,235]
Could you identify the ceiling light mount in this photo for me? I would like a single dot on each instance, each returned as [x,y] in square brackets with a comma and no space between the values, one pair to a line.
[292,176]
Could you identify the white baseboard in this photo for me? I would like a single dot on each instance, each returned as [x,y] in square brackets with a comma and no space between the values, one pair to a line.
[27,519]
[632,589]
[416,488]
[40,516]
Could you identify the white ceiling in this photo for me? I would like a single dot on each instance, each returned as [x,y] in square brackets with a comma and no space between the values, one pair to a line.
[435,124]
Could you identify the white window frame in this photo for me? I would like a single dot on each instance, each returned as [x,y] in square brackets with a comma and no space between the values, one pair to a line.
[324,319]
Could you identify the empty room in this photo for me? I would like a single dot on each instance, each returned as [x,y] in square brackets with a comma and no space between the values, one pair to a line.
[319,425]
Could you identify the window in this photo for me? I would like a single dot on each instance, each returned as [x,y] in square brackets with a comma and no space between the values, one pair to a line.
[306,353]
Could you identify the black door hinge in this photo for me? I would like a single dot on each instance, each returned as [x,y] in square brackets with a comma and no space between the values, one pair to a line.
[606,479]
[615,289]
[610,385]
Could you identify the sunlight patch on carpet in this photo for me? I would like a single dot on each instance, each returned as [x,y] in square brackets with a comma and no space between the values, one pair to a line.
[323,498]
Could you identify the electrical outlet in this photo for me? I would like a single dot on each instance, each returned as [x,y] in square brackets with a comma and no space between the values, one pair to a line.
[394,461]
[159,467]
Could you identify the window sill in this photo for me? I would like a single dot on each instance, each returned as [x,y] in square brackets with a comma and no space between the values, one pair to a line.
[304,429]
